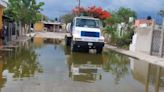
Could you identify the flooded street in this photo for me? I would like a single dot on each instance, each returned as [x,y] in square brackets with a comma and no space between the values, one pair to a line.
[46,65]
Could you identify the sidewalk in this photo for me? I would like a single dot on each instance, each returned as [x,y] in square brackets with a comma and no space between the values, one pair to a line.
[141,56]
[22,38]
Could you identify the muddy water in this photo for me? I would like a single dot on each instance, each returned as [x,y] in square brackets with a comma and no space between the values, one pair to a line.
[46,65]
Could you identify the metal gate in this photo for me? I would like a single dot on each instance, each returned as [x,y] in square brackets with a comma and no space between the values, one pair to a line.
[157,47]
[156,41]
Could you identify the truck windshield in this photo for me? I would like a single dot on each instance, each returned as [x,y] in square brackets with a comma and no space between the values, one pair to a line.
[91,23]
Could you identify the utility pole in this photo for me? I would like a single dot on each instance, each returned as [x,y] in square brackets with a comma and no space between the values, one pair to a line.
[79,1]
[79,5]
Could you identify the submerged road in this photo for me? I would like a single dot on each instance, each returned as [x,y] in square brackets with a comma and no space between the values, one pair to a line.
[52,35]
[46,65]
[141,56]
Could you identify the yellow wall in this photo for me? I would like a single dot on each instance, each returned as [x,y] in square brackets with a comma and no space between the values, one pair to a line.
[1,14]
[39,26]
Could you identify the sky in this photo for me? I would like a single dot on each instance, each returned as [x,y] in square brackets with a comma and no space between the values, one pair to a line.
[56,8]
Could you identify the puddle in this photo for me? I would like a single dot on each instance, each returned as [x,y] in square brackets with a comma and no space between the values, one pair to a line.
[46,65]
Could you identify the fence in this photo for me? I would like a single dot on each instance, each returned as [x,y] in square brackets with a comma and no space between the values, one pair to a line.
[157,47]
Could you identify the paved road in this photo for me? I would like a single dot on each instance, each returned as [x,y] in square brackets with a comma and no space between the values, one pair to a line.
[141,56]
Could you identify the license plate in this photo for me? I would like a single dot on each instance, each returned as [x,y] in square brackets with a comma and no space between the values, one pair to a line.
[90,44]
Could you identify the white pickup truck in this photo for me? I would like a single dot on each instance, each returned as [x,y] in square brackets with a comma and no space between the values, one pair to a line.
[85,34]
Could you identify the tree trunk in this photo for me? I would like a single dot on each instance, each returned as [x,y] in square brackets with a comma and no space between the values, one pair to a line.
[20,28]
[26,28]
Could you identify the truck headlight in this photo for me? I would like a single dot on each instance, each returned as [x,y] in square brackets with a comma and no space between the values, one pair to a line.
[101,40]
[78,39]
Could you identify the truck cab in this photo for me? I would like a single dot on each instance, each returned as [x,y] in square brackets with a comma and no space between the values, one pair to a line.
[86,34]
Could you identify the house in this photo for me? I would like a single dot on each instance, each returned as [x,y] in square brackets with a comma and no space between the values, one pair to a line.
[39,26]
[3,5]
[48,26]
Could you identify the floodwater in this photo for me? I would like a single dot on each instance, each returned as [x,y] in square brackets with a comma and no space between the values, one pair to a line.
[46,65]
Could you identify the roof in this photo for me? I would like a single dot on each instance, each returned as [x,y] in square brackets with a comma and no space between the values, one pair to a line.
[87,17]
[139,22]
[52,23]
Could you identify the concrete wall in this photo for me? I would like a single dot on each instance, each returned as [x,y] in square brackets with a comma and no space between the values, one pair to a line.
[142,40]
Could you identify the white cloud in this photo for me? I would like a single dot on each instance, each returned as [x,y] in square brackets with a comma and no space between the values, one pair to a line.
[138,5]
[55,8]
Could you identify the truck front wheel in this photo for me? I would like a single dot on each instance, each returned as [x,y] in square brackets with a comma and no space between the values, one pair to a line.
[68,41]
[73,47]
[99,50]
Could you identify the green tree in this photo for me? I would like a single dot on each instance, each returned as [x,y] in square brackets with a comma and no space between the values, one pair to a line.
[122,15]
[67,18]
[24,11]
[125,13]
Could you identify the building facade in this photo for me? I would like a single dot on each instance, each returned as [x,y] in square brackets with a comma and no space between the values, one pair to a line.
[3,5]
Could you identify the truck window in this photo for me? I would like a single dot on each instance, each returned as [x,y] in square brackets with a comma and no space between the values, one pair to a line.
[91,23]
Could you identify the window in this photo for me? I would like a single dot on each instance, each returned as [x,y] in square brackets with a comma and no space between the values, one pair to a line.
[90,23]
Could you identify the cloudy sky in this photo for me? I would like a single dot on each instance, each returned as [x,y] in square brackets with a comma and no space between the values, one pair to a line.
[55,8]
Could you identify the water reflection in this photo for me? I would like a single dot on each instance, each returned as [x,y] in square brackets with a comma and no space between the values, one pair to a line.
[23,63]
[116,64]
[151,76]
[85,67]
[66,71]
[40,42]
[3,80]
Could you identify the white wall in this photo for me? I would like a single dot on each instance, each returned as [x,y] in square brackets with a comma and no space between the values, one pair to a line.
[142,40]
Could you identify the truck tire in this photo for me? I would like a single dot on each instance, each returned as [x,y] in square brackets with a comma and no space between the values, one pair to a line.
[99,50]
[68,41]
[73,47]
